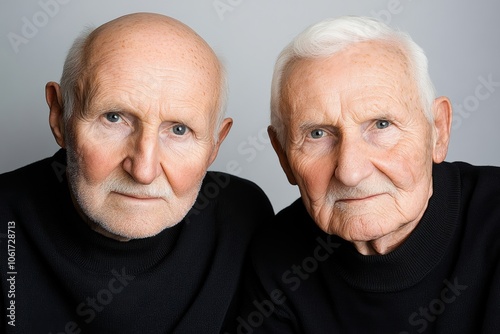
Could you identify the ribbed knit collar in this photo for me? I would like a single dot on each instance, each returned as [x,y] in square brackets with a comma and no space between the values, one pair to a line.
[95,252]
[421,251]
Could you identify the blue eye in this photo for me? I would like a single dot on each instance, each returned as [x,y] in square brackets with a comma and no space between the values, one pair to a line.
[113,117]
[179,129]
[382,124]
[317,133]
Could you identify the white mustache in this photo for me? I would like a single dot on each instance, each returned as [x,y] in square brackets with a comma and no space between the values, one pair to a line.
[338,193]
[159,189]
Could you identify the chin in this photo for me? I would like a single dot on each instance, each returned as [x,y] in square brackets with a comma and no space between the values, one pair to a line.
[137,230]
[124,222]
[127,224]
[359,229]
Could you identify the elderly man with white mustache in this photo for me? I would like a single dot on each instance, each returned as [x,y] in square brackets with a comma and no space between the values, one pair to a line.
[134,236]
[386,237]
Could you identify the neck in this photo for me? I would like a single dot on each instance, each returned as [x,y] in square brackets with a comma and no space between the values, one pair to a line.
[387,243]
[99,229]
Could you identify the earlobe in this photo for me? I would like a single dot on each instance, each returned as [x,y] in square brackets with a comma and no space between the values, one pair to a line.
[280,151]
[54,101]
[442,111]
[226,125]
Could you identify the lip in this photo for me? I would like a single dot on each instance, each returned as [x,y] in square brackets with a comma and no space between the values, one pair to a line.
[360,199]
[137,197]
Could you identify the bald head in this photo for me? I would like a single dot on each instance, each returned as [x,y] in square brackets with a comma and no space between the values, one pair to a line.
[146,41]
[152,37]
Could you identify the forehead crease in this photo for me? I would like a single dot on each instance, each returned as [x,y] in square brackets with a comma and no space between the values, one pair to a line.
[161,43]
[161,86]
[383,63]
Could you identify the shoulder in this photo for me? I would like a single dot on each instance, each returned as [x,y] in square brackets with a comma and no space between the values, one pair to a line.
[479,205]
[32,177]
[474,182]
[32,187]
[480,185]
[487,177]
[294,211]
[229,189]
[288,239]
[227,185]
[293,223]
[238,203]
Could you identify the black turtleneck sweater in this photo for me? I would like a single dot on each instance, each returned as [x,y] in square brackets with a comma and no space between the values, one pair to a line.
[445,278]
[62,277]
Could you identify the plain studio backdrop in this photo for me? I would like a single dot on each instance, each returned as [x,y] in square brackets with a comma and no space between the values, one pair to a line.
[461,40]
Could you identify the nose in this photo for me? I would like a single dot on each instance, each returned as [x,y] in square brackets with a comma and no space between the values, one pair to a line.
[143,159]
[353,163]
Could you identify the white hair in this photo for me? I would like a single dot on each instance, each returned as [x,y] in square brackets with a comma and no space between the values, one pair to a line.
[330,36]
[74,71]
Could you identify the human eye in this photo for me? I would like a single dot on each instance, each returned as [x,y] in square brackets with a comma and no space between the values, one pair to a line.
[382,124]
[180,129]
[317,133]
[113,117]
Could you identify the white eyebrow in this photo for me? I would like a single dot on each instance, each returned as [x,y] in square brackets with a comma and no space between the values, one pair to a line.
[305,126]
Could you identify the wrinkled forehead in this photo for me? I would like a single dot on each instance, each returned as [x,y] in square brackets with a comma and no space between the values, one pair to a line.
[350,74]
[155,46]
[152,62]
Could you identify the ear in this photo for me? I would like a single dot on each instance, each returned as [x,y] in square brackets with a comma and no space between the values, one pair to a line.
[280,151]
[54,101]
[442,111]
[226,125]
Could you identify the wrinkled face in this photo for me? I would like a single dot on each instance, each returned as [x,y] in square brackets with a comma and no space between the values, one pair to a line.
[359,146]
[141,147]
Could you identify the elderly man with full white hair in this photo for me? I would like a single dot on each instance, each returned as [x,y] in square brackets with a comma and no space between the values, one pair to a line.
[386,237]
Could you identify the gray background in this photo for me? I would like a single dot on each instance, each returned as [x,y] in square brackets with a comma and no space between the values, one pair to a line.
[461,39]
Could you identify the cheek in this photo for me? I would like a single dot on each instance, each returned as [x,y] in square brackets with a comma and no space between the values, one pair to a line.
[97,160]
[314,175]
[184,178]
[407,165]
[185,169]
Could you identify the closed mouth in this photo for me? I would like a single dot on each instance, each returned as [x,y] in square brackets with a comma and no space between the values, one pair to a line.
[136,196]
[354,199]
